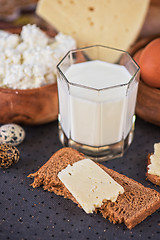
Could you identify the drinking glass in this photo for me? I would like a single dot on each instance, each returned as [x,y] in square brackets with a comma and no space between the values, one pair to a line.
[94,118]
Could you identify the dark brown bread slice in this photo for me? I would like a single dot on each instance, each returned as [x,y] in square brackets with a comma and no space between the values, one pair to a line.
[152,178]
[134,205]
[131,207]
[47,174]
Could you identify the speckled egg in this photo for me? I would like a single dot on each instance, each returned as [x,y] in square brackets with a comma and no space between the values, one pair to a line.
[8,155]
[12,134]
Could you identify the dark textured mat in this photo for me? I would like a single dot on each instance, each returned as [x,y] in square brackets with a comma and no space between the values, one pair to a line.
[34,214]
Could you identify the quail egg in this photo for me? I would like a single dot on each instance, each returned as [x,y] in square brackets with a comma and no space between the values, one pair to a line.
[11,134]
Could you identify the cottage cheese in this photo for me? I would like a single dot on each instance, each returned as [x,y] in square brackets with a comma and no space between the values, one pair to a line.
[29,60]
[33,36]
[8,40]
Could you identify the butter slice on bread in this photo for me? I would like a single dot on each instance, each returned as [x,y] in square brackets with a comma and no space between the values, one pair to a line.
[133,206]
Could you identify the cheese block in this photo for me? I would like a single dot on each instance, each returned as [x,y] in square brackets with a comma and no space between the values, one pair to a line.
[107,22]
[89,184]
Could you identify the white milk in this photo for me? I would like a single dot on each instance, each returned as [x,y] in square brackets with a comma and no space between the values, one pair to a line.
[96,117]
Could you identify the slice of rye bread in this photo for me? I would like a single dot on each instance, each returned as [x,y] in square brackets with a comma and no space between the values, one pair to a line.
[131,207]
[151,177]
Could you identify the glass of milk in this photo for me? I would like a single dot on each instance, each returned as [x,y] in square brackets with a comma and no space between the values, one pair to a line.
[97,89]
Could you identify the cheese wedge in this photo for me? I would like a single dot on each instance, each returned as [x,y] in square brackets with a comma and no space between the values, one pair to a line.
[107,22]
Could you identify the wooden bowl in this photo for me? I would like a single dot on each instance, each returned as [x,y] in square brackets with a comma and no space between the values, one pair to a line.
[148,98]
[148,103]
[29,106]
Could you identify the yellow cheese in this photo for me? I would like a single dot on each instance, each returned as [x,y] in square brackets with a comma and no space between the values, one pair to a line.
[107,22]
[89,184]
[154,167]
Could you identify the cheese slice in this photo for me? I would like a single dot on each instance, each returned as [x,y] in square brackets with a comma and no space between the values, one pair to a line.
[154,167]
[89,184]
[107,22]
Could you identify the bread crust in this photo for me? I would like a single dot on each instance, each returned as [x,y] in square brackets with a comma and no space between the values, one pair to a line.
[152,178]
[133,206]
[142,213]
